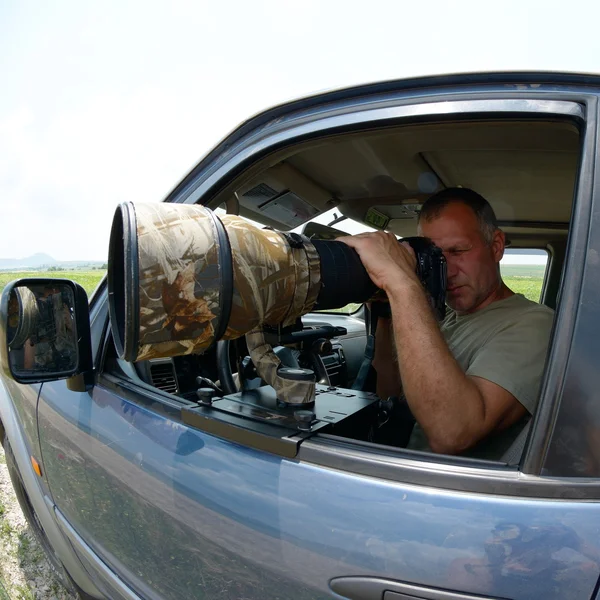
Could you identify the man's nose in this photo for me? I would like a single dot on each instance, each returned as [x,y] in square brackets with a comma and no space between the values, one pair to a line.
[451,266]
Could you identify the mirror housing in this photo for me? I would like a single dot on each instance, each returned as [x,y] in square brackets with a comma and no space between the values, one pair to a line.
[44,331]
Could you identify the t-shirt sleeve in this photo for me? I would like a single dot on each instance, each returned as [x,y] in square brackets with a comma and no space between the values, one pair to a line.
[514,357]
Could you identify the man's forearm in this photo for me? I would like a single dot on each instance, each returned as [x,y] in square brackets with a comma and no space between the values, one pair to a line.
[445,402]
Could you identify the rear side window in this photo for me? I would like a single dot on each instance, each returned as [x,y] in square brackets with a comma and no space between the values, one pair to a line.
[524,270]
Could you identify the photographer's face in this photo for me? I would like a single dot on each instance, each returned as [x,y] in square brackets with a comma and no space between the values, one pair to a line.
[473,274]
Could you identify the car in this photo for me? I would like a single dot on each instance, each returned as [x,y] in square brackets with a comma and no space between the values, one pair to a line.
[170,474]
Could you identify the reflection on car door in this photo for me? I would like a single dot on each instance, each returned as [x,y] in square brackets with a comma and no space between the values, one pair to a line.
[177,513]
[174,512]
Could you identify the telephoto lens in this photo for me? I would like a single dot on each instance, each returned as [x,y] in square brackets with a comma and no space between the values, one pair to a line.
[180,278]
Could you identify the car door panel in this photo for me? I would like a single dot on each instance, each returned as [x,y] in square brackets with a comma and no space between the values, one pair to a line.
[339,524]
[148,493]
[143,491]
[24,401]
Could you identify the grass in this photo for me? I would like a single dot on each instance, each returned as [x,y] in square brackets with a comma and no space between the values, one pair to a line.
[523,271]
[87,279]
[530,287]
[345,310]
[24,547]
[6,529]
[24,593]
[522,279]
[3,593]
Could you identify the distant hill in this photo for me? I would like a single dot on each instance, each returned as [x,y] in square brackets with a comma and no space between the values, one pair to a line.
[43,261]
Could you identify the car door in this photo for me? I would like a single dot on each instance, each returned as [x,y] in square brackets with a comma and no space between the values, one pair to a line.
[179,511]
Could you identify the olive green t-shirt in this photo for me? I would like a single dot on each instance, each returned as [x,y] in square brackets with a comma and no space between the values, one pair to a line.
[505,343]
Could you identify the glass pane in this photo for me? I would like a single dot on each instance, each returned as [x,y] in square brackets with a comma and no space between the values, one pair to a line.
[523,270]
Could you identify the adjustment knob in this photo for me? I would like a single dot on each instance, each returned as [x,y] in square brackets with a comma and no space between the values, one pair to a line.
[299,385]
[205,396]
[296,374]
[304,419]
[322,346]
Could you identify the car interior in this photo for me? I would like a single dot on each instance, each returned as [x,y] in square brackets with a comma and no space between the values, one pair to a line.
[378,179]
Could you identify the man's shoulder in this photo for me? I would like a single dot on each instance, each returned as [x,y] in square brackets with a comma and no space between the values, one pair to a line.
[516,311]
[522,308]
[518,318]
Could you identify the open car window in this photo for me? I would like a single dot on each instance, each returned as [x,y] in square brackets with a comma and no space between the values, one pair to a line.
[383,176]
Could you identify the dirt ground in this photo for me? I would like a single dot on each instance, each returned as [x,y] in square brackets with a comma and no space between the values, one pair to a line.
[25,574]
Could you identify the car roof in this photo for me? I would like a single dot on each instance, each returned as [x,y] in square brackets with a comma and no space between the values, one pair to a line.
[279,112]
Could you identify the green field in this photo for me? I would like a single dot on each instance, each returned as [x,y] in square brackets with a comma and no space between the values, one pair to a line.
[521,279]
[523,271]
[524,279]
[87,279]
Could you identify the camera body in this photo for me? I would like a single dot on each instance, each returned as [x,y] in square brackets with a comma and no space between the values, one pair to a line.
[431,270]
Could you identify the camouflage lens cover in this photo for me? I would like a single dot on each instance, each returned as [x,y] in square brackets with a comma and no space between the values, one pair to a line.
[180,279]
[274,283]
[180,287]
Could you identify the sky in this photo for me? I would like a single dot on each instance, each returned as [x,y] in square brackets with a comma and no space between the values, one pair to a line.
[116,100]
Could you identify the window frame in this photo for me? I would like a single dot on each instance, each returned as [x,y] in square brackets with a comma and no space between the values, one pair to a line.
[405,465]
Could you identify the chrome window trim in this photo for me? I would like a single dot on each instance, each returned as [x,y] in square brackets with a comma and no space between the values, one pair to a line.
[423,470]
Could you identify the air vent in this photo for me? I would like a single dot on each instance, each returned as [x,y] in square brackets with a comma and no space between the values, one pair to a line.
[332,365]
[335,365]
[163,377]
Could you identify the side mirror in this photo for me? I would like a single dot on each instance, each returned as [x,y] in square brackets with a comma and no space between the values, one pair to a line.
[44,330]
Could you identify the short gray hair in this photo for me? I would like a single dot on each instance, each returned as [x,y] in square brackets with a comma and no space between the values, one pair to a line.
[434,205]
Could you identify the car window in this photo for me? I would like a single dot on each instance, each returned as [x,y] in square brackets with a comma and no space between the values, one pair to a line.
[524,270]
[311,181]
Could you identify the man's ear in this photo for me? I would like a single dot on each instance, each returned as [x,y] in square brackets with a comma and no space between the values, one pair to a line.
[498,244]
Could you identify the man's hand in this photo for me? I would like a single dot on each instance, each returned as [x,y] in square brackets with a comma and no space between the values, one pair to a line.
[388,262]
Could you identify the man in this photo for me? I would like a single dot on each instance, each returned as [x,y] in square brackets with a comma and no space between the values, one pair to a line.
[471,381]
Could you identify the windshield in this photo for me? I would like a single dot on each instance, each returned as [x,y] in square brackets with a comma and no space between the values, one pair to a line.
[344,224]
